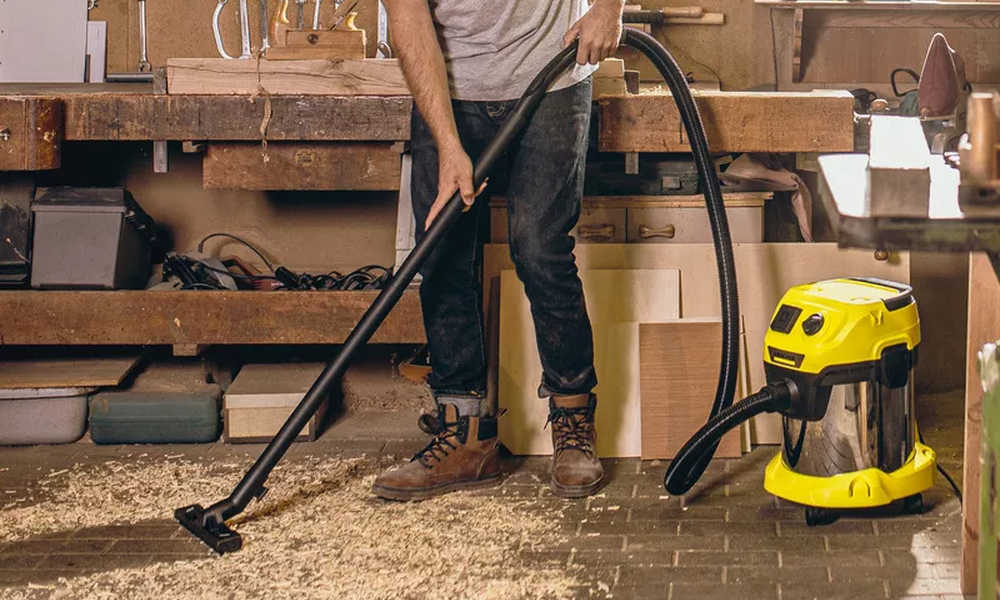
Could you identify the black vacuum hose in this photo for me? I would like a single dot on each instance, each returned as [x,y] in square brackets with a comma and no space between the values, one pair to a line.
[681,475]
[206,522]
[771,398]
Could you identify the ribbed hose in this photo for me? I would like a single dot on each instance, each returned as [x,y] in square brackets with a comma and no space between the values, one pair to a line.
[681,475]
[770,399]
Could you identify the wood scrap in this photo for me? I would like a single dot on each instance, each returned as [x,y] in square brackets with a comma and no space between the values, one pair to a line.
[899,168]
[351,77]
[66,372]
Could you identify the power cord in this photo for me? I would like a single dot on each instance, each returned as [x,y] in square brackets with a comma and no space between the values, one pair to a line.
[195,272]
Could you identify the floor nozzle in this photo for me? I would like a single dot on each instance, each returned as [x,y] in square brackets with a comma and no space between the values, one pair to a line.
[218,536]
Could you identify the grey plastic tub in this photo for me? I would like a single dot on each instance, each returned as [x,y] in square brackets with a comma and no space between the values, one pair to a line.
[43,416]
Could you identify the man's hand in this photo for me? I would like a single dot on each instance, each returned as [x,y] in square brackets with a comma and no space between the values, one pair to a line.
[454,174]
[599,31]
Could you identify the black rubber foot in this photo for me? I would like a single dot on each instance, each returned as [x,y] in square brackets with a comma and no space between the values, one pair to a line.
[914,504]
[218,537]
[820,516]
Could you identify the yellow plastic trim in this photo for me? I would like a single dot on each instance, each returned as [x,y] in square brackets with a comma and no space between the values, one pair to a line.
[857,325]
[859,489]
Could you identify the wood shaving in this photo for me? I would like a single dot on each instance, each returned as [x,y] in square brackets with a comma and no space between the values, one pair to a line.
[319,533]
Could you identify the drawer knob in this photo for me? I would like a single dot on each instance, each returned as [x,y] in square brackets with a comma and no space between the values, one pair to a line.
[881,255]
[604,232]
[667,231]
[4,134]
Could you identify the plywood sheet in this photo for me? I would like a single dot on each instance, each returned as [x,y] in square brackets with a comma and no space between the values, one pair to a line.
[65,372]
[617,301]
[678,371]
[764,273]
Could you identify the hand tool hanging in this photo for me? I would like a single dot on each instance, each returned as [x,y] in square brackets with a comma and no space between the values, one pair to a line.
[144,66]
[244,17]
[301,12]
[265,39]
[319,3]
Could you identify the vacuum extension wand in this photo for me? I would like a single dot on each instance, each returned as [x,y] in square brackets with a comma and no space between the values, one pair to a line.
[209,524]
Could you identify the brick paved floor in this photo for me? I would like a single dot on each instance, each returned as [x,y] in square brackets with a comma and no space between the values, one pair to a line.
[728,539]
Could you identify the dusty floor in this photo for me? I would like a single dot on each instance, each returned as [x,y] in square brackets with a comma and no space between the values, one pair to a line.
[86,521]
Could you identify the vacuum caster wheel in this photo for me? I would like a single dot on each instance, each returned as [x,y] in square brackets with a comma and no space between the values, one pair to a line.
[914,504]
[819,516]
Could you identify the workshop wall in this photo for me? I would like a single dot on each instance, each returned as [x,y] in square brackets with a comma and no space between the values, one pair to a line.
[183,28]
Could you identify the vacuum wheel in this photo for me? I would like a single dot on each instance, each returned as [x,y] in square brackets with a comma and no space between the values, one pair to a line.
[820,516]
[914,504]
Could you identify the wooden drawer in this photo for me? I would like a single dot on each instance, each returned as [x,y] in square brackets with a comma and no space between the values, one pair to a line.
[597,225]
[690,224]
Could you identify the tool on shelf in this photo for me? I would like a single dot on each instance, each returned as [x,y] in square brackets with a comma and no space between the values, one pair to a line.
[244,17]
[144,66]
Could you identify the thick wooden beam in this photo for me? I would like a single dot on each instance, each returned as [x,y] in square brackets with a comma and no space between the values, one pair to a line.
[984,327]
[31,133]
[372,166]
[819,121]
[367,77]
[198,317]
[140,117]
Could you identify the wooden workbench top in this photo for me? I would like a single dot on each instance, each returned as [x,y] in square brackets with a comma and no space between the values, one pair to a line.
[820,121]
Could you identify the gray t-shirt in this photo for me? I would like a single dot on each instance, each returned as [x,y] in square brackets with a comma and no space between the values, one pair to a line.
[494,48]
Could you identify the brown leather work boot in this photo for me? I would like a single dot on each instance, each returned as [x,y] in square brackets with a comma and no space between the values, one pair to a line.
[463,454]
[576,470]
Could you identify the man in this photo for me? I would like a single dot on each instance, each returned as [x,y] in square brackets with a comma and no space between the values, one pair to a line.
[467,62]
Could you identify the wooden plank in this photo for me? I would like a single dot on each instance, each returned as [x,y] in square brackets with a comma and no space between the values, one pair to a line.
[984,327]
[138,117]
[302,166]
[194,317]
[678,370]
[65,372]
[820,121]
[31,133]
[899,168]
[617,301]
[368,77]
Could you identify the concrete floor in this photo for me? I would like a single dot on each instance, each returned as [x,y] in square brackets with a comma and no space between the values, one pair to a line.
[728,539]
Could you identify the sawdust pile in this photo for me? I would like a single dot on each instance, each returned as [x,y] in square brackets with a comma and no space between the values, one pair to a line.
[318,534]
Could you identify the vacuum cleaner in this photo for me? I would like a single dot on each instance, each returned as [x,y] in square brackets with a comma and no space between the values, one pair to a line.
[209,524]
[838,358]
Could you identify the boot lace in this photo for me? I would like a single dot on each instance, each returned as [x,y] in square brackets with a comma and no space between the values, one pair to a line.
[573,429]
[439,447]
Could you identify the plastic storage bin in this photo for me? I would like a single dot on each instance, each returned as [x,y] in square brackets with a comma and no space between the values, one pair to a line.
[43,416]
[154,417]
[90,238]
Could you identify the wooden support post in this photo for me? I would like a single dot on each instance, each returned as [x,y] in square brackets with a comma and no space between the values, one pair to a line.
[31,133]
[989,503]
[984,327]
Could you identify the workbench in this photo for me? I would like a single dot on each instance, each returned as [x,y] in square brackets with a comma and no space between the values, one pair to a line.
[322,143]
[844,190]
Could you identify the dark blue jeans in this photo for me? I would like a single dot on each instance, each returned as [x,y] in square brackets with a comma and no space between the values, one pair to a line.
[542,179]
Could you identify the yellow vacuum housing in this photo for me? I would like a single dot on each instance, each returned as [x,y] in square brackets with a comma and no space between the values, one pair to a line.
[850,440]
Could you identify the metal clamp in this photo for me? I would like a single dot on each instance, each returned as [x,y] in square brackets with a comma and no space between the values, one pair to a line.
[244,16]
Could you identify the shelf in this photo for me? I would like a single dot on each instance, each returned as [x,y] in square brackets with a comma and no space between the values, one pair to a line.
[198,317]
[870,5]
